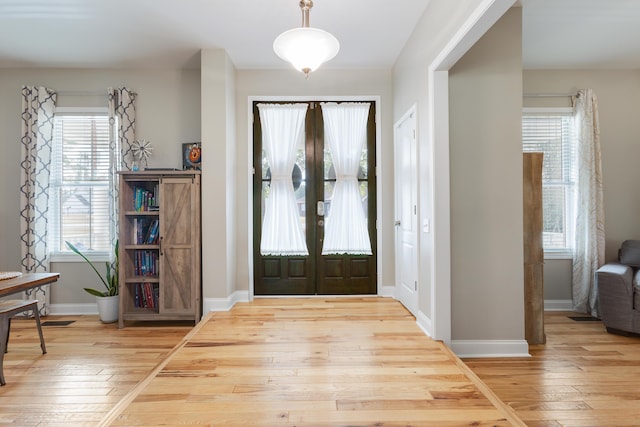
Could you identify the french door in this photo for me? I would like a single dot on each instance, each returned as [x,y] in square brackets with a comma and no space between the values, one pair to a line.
[315,185]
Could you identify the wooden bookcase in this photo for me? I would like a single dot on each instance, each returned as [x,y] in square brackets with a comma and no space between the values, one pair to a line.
[160,238]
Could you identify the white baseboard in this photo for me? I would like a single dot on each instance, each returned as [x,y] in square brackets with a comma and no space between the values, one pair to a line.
[558,305]
[73,309]
[224,304]
[210,304]
[424,323]
[490,348]
[387,291]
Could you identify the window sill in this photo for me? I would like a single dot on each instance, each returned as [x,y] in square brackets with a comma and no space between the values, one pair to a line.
[71,257]
[558,254]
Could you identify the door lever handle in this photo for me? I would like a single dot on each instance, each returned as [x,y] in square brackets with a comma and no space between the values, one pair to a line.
[397,223]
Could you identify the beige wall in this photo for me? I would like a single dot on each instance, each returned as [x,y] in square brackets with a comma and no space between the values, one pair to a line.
[323,83]
[168,114]
[219,186]
[485,89]
[486,253]
[619,137]
[436,27]
[557,280]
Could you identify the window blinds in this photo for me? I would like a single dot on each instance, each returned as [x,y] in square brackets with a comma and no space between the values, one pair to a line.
[80,182]
[552,135]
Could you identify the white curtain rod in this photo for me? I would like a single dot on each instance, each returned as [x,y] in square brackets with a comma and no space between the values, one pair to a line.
[548,95]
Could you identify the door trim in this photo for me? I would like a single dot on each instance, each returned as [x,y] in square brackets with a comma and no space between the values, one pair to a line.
[379,173]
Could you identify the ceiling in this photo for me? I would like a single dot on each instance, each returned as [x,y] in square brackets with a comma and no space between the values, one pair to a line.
[170,33]
[581,34]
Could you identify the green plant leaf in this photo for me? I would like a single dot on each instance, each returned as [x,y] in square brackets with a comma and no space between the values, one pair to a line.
[95,292]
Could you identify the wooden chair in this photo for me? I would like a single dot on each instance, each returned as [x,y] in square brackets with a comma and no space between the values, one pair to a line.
[10,308]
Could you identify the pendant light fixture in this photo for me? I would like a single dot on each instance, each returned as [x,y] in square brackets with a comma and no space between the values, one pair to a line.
[306,48]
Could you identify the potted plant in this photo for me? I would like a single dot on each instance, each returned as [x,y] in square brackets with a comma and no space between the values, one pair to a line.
[107,300]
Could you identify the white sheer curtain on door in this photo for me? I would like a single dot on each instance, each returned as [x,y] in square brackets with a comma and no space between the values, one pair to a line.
[282,134]
[345,130]
[589,243]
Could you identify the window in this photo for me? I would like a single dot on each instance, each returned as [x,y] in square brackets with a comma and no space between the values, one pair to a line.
[79,181]
[551,131]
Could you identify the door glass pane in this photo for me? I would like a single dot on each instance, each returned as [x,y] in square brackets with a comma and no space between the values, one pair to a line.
[363,171]
[329,170]
[266,170]
[266,188]
[364,194]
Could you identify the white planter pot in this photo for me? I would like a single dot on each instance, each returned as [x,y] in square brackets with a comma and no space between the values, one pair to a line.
[108,308]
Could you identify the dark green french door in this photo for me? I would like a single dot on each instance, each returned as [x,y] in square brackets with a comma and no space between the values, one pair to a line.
[314,181]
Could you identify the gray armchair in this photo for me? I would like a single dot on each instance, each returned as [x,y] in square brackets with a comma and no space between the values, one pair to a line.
[619,291]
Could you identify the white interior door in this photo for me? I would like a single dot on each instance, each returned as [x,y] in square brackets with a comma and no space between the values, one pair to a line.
[406,208]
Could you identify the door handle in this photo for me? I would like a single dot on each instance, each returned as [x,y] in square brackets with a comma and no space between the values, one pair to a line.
[320,208]
[397,223]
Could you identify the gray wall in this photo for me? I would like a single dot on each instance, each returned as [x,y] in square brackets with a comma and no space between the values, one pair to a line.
[619,137]
[485,93]
[168,114]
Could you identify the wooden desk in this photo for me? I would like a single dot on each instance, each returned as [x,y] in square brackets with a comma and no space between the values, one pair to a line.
[26,281]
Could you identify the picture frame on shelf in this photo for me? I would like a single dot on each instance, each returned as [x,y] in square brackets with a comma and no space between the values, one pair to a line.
[191,156]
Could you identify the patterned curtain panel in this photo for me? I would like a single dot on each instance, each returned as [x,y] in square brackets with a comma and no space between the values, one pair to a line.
[38,108]
[122,133]
[589,244]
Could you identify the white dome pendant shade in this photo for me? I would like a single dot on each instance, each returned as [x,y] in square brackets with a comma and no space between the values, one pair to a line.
[306,48]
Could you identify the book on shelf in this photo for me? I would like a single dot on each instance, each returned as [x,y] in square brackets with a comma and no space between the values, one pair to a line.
[145,231]
[146,295]
[145,200]
[146,263]
[152,232]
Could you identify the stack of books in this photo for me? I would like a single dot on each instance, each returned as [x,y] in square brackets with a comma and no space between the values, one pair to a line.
[145,200]
[146,295]
[146,263]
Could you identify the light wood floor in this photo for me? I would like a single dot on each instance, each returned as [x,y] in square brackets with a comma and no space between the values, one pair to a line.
[582,376]
[312,362]
[88,368]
